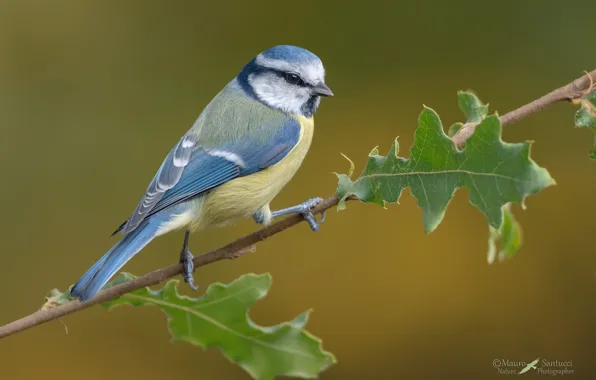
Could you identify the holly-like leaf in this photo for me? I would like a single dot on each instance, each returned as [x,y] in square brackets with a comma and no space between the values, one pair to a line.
[585,117]
[220,319]
[494,172]
[504,242]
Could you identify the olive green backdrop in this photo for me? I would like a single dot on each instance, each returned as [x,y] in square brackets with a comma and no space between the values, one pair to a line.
[93,94]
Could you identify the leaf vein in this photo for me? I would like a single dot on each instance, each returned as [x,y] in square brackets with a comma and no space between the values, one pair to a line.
[455,171]
[222,326]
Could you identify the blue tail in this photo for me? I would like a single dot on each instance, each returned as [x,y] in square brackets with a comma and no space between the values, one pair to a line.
[97,276]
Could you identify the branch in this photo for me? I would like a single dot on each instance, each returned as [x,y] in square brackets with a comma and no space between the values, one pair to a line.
[240,247]
[571,91]
[231,251]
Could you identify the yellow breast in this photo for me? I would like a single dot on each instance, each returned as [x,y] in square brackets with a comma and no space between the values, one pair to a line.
[243,196]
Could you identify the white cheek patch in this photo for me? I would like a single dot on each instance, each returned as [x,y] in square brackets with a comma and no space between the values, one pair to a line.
[277,93]
[227,155]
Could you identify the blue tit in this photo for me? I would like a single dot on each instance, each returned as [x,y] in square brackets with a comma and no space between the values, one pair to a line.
[242,150]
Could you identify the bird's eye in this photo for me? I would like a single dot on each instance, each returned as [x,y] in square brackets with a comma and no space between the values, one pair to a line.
[292,78]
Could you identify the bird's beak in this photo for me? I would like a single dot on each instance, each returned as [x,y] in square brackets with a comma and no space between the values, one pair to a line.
[322,90]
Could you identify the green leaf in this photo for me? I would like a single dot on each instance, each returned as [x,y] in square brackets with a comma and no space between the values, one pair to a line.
[472,107]
[220,319]
[56,298]
[493,172]
[585,117]
[508,238]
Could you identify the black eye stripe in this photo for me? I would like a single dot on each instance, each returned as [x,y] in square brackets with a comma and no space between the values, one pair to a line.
[291,78]
[295,79]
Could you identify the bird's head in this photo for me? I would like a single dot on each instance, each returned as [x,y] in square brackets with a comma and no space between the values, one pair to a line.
[288,78]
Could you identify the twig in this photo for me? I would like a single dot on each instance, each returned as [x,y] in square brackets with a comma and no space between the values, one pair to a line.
[238,248]
[569,92]
[231,251]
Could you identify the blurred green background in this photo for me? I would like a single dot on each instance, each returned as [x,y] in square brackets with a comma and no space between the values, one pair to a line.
[93,94]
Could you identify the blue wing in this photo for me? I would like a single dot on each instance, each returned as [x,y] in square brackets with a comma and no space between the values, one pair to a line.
[191,170]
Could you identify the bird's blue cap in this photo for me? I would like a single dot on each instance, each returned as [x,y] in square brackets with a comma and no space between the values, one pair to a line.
[290,53]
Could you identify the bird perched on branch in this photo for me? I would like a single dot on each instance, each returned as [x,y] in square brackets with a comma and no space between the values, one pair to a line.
[242,150]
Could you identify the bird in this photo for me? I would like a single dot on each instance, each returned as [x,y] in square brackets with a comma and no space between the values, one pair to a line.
[245,146]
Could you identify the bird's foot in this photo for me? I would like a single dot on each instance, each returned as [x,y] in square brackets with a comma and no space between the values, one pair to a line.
[187,261]
[304,208]
[309,216]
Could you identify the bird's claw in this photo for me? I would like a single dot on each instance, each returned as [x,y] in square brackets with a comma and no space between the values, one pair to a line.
[309,216]
[187,261]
